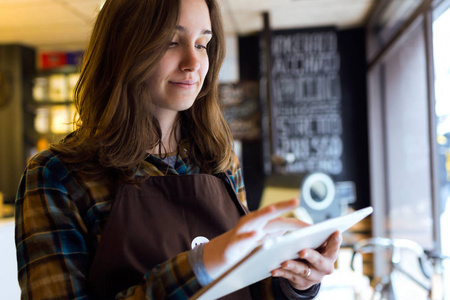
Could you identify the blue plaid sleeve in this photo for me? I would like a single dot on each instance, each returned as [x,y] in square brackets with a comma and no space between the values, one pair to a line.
[52,253]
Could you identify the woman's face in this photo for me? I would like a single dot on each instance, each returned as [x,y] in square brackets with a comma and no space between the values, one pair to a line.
[179,76]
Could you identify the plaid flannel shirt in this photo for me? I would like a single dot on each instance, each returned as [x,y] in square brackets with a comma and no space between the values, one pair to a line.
[60,217]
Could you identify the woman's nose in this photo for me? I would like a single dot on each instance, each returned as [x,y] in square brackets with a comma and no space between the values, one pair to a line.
[191,59]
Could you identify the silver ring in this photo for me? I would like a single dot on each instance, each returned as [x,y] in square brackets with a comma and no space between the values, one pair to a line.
[308,273]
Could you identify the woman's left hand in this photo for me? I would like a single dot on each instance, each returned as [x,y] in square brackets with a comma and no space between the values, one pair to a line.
[312,265]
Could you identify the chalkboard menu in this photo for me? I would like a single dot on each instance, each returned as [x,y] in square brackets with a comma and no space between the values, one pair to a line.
[241,109]
[306,118]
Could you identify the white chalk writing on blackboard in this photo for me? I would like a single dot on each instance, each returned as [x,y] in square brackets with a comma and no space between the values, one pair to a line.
[306,106]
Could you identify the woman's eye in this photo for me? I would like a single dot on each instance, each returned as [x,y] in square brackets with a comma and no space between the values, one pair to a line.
[172,44]
[201,47]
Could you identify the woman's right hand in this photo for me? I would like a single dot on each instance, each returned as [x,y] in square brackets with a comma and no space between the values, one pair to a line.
[227,249]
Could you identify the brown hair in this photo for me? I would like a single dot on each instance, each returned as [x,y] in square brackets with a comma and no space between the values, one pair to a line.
[116,127]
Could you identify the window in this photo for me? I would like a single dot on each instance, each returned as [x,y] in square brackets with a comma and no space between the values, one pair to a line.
[441,50]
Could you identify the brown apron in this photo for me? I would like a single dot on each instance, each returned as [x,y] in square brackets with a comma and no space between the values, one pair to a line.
[156,221]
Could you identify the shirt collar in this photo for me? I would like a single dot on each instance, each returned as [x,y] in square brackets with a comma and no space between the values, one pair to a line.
[181,167]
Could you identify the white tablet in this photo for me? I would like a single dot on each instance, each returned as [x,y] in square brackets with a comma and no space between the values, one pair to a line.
[269,256]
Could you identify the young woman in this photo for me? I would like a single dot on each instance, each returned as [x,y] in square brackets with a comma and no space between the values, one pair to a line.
[116,209]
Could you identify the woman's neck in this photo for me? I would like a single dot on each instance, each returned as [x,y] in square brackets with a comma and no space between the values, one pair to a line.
[170,134]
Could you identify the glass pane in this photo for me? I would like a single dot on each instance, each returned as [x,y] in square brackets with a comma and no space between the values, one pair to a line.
[407,138]
[61,118]
[41,121]
[407,162]
[57,90]
[441,45]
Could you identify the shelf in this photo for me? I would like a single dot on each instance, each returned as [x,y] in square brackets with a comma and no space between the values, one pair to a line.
[49,103]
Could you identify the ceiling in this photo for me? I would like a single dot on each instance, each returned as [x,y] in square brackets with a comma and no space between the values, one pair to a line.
[66,24]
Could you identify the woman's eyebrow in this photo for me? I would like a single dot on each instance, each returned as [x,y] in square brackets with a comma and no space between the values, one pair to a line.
[203,32]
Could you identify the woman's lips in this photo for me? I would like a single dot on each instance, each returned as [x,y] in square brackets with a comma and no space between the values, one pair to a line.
[186,84]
